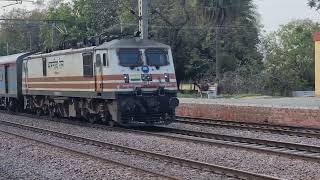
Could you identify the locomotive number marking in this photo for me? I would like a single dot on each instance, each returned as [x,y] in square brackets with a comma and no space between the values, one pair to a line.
[56,65]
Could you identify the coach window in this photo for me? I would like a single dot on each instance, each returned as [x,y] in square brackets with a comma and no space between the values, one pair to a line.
[87,64]
[44,66]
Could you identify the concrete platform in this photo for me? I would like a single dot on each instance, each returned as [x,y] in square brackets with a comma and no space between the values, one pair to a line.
[304,112]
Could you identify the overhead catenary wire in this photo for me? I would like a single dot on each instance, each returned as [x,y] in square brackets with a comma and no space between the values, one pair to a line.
[37,20]
[184,28]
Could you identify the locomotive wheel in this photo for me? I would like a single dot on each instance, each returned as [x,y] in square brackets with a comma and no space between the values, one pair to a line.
[39,112]
[52,113]
[60,111]
[45,110]
[112,123]
[93,119]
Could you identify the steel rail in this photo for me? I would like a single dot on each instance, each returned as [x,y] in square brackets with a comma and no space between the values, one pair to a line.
[230,172]
[277,129]
[197,137]
[94,157]
[292,149]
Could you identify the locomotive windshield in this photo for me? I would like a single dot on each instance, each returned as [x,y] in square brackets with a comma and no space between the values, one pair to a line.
[157,57]
[130,57]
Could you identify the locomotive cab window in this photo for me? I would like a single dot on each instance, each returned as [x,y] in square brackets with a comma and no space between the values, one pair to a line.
[98,60]
[105,60]
[130,57]
[87,64]
[157,57]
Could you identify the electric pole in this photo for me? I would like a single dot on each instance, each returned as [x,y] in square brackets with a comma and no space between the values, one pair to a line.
[218,63]
[143,19]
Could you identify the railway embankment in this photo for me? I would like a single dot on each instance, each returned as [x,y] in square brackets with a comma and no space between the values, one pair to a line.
[301,112]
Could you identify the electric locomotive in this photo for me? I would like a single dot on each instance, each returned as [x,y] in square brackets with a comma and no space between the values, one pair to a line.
[129,82]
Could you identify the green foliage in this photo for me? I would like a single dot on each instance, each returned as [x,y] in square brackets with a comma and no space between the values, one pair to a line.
[289,57]
[314,4]
[81,19]
[190,28]
[3,48]
[21,36]
[49,36]
[196,31]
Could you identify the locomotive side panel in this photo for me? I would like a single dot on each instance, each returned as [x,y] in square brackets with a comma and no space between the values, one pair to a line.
[60,75]
[63,84]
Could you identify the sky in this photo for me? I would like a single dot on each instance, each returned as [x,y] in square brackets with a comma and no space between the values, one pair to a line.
[277,12]
[273,12]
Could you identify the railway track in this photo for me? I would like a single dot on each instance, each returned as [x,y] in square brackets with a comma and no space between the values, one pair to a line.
[94,157]
[292,150]
[277,129]
[225,171]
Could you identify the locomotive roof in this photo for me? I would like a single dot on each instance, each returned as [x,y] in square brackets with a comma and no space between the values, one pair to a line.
[10,59]
[131,43]
[62,52]
[114,44]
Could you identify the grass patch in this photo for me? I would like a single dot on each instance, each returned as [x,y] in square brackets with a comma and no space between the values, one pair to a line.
[227,96]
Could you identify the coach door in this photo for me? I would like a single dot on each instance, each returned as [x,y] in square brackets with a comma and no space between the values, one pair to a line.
[99,74]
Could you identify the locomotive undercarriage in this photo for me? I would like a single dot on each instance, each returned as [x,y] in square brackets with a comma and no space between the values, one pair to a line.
[127,110]
[147,109]
[92,110]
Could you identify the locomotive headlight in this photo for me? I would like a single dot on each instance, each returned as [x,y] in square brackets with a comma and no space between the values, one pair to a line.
[146,77]
[126,78]
[166,77]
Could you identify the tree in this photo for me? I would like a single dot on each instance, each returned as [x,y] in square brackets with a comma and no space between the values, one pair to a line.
[289,58]
[234,33]
[21,35]
[3,48]
[314,4]
[189,27]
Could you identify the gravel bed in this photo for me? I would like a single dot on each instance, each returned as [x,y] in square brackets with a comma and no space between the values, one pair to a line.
[135,160]
[22,159]
[249,134]
[241,159]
